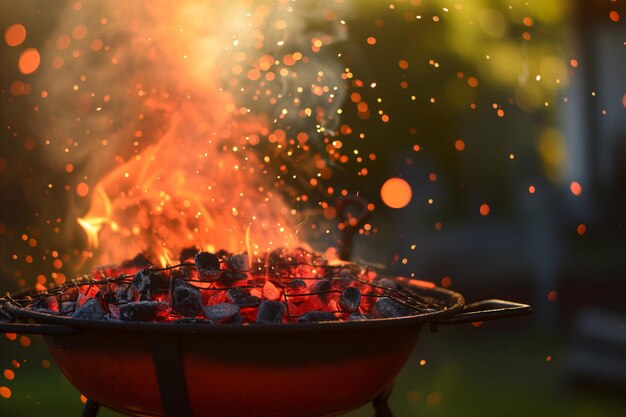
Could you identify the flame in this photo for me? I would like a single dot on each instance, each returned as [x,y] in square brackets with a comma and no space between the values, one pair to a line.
[185,190]
[204,83]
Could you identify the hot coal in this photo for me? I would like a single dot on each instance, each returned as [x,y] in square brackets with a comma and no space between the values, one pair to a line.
[148,283]
[188,253]
[242,298]
[230,276]
[386,307]
[323,287]
[67,307]
[270,312]
[144,310]
[297,286]
[186,299]
[139,261]
[315,316]
[208,265]
[238,262]
[222,313]
[92,309]
[124,294]
[350,299]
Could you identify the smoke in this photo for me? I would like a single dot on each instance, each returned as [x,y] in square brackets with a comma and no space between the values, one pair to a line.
[162,110]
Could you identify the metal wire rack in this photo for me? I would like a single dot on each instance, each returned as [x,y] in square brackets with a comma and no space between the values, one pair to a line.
[338,278]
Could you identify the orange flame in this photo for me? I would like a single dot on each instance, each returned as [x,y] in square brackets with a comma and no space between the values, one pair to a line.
[187,189]
[194,73]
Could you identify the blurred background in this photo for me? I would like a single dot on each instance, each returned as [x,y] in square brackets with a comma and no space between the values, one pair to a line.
[488,136]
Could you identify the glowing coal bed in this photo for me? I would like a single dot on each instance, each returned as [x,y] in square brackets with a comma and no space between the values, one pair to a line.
[287,286]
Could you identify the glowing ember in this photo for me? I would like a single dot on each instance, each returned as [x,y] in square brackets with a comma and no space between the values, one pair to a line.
[396,193]
[15,35]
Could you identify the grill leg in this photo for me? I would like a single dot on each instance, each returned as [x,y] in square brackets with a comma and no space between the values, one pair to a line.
[381,407]
[170,374]
[90,409]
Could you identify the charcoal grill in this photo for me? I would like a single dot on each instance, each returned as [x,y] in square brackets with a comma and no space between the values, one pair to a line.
[178,369]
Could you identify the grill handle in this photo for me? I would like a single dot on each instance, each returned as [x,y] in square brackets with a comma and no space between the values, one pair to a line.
[487,310]
[8,325]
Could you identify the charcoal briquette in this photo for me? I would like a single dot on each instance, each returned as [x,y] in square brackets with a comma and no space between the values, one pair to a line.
[316,315]
[186,299]
[67,307]
[208,265]
[91,310]
[386,307]
[124,294]
[148,283]
[323,287]
[188,253]
[297,286]
[229,277]
[144,310]
[238,262]
[350,299]
[222,313]
[357,317]
[242,298]
[139,261]
[270,312]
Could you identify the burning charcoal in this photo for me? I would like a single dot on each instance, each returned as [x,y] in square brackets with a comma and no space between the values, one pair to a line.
[222,313]
[71,294]
[357,317]
[188,253]
[67,307]
[139,261]
[316,315]
[114,312]
[350,299]
[191,320]
[186,299]
[386,307]
[270,291]
[5,317]
[242,298]
[388,283]
[229,277]
[270,312]
[297,286]
[208,265]
[322,286]
[144,310]
[238,262]
[124,293]
[149,283]
[91,310]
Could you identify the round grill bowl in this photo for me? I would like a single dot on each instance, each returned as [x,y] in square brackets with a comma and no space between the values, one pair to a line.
[270,370]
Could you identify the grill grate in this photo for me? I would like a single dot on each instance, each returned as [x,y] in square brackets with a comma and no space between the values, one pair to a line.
[108,280]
